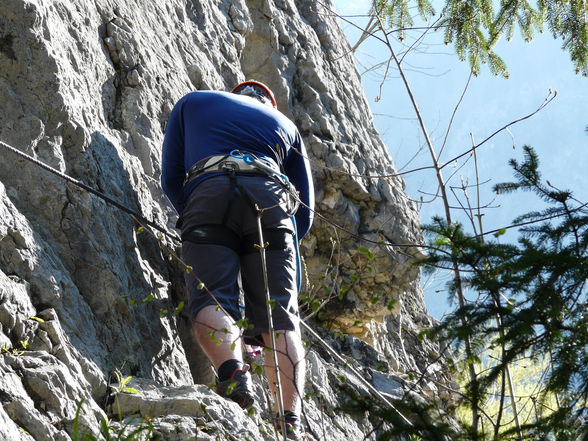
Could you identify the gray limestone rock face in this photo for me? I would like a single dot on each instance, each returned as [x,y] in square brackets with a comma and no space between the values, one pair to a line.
[86,87]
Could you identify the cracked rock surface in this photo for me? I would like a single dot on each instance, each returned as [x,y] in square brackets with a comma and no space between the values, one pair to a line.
[86,87]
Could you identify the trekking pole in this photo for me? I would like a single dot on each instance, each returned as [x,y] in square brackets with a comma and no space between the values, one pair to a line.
[270,322]
[136,216]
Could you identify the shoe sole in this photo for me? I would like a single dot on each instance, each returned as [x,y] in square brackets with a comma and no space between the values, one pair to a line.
[243,400]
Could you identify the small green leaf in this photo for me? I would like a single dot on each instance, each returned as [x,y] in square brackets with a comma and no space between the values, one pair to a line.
[140,230]
[258,369]
[231,387]
[441,241]
[149,298]
[130,390]
[500,232]
[244,324]
[37,319]
[474,359]
[367,252]
[124,381]
[178,310]
[315,305]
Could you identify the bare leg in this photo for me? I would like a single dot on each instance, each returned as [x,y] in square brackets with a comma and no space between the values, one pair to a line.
[292,369]
[211,319]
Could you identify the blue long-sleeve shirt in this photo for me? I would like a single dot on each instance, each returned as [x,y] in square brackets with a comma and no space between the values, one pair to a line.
[207,123]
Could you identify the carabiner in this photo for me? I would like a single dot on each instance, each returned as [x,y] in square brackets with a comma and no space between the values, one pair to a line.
[236,154]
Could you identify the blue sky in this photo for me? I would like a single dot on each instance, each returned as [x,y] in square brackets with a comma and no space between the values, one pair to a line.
[438,78]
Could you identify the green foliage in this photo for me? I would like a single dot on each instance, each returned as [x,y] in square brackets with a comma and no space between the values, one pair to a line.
[464,25]
[122,384]
[110,432]
[121,387]
[149,298]
[23,346]
[425,421]
[475,26]
[398,13]
[37,319]
[244,324]
[178,309]
[527,320]
[568,19]
[527,377]
[531,303]
[367,252]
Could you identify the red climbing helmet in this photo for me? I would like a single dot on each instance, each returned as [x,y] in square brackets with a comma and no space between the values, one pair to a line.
[257,90]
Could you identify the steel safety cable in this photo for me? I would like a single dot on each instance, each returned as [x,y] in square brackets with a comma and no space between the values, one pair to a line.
[139,218]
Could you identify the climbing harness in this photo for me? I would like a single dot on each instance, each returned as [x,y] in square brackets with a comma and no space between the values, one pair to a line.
[277,239]
[277,176]
[224,163]
[219,234]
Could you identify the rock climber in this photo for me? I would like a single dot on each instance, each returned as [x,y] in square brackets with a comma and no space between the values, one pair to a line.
[208,175]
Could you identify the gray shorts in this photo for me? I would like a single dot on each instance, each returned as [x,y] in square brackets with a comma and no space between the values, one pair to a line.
[219,267]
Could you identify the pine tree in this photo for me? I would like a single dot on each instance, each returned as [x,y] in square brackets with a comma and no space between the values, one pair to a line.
[475,26]
[531,302]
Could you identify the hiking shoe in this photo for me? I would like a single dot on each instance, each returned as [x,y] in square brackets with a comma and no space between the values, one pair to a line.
[237,387]
[293,429]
